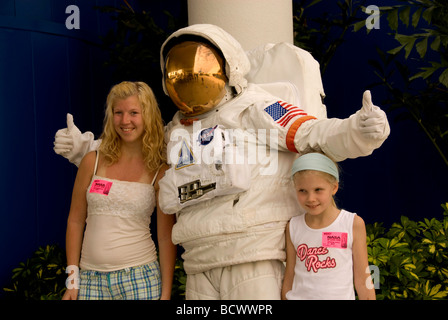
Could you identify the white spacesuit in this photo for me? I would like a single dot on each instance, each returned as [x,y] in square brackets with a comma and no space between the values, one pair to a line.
[230,159]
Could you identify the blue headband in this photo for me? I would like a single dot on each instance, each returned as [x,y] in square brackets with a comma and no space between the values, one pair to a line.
[315,161]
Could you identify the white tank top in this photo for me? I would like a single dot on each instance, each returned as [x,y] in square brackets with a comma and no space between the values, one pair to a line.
[117,234]
[324,262]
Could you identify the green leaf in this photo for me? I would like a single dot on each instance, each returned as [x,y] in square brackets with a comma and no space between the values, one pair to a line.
[408,48]
[409,266]
[416,17]
[432,248]
[422,47]
[444,271]
[395,50]
[414,275]
[427,289]
[427,14]
[395,243]
[444,78]
[313,3]
[406,41]
[404,220]
[358,25]
[434,289]
[426,73]
[384,242]
[405,15]
[386,8]
[435,45]
[392,18]
[440,294]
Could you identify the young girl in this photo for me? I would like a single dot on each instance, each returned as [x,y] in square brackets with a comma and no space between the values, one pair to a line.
[115,192]
[326,247]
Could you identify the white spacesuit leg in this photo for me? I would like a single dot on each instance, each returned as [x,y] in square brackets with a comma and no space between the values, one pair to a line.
[260,280]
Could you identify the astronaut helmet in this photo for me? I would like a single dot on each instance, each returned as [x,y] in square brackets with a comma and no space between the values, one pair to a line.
[200,65]
[195,77]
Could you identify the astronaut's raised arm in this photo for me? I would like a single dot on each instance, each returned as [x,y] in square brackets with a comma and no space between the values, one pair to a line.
[358,135]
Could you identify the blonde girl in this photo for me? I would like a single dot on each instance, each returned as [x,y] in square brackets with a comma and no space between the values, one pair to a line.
[115,192]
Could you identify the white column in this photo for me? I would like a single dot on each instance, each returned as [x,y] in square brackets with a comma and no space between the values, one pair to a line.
[251,22]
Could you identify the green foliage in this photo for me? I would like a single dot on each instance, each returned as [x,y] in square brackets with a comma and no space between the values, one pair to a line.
[427,19]
[179,281]
[412,258]
[432,35]
[422,91]
[41,277]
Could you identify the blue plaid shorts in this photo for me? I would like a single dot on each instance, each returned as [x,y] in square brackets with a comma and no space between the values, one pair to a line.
[134,283]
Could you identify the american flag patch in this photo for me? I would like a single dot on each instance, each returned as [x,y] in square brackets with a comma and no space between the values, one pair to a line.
[283,112]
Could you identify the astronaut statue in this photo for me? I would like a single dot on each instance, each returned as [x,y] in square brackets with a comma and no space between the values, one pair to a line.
[230,148]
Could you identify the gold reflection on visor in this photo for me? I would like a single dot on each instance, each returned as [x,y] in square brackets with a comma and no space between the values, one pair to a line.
[195,77]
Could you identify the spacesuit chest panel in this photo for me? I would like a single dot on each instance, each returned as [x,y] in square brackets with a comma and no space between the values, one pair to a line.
[205,163]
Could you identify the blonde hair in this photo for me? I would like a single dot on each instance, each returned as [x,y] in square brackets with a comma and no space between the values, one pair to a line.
[154,149]
[330,179]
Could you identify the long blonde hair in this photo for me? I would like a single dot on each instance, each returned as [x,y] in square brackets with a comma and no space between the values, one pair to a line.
[154,149]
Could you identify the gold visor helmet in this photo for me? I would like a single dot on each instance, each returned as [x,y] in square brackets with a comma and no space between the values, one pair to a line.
[195,77]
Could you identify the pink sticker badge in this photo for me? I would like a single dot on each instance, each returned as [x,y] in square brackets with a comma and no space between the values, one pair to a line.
[334,240]
[101,187]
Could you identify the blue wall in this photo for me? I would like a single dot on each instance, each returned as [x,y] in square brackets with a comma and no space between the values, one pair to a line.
[46,71]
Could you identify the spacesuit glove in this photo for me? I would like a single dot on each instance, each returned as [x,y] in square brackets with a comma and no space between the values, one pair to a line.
[72,144]
[373,124]
[356,136]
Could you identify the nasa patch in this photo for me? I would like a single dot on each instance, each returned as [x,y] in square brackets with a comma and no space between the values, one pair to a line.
[206,136]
